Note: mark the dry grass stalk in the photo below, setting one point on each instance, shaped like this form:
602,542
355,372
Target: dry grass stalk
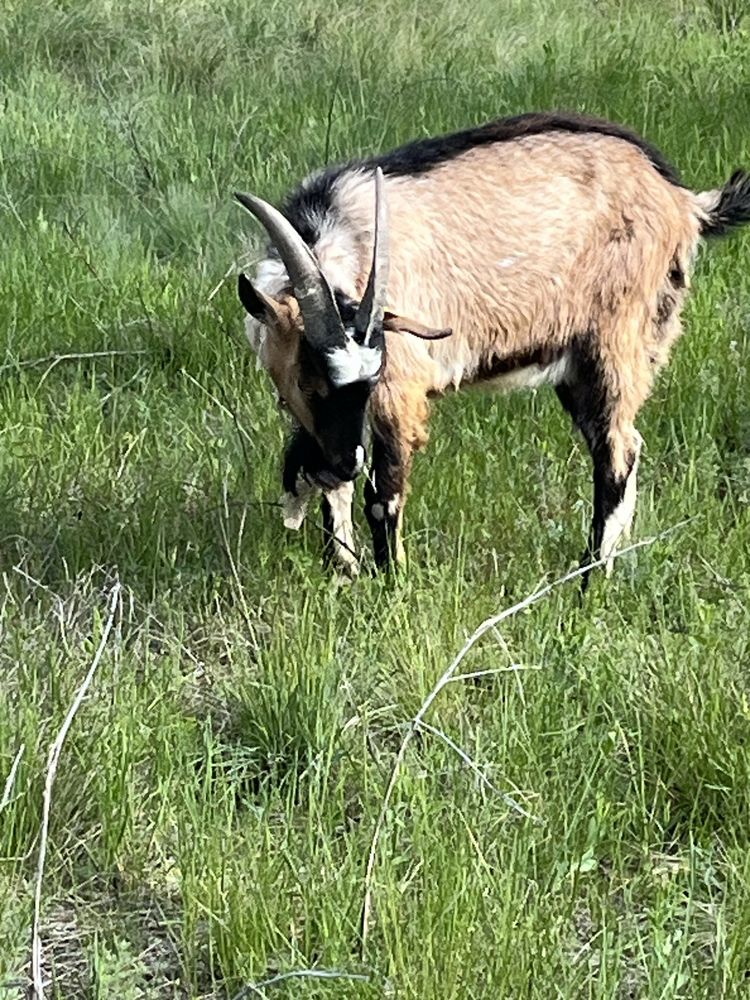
417,722
53,759
11,779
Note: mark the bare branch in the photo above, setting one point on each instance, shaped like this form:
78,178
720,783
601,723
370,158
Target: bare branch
486,626
55,359
11,779
509,800
87,263
258,988
53,759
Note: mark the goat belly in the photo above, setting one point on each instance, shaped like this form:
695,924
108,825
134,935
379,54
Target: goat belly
529,370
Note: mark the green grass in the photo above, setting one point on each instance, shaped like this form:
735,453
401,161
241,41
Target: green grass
217,795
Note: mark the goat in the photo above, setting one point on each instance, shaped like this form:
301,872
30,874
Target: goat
540,249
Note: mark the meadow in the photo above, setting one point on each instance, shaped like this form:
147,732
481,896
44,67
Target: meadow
216,797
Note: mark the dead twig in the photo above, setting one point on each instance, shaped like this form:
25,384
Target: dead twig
11,779
53,759
55,359
126,119
217,288
87,263
257,988
331,106
508,799
417,721
514,668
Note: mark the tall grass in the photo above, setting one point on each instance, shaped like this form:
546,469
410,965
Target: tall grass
216,796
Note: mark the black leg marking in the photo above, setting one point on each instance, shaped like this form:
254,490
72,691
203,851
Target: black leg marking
328,532
609,492
585,397
384,496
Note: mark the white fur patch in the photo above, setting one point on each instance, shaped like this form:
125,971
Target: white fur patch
353,363
708,200
271,276
336,250
340,501
377,511
294,508
620,521
532,376
294,511
393,505
359,457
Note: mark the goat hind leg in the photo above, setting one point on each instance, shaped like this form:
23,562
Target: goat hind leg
615,447
618,517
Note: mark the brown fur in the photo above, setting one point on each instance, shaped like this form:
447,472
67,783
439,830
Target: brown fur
524,249
518,204
584,234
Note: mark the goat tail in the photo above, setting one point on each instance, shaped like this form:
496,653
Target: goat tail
726,207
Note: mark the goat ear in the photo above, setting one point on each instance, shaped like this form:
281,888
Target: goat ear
260,306
401,324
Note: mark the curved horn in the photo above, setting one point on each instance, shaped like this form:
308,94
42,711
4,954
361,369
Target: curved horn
323,326
371,308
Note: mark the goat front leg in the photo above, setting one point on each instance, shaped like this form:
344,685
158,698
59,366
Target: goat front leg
306,475
385,493
300,457
338,530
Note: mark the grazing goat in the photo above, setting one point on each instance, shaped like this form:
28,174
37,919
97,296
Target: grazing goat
542,249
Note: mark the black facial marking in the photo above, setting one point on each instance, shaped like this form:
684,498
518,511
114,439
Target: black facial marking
302,457
339,419
346,306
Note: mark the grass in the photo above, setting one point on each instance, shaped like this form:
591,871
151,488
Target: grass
217,794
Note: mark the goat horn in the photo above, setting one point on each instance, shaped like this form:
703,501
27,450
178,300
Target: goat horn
371,308
323,326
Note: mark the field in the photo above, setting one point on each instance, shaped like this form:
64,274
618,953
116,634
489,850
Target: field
217,795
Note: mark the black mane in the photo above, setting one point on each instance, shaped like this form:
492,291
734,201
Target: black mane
310,203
